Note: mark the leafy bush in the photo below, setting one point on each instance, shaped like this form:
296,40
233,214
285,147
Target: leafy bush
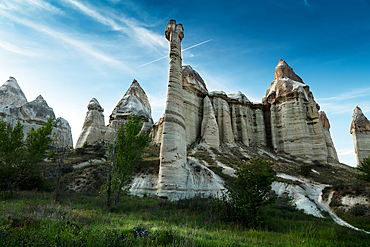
305,170
19,159
364,167
244,200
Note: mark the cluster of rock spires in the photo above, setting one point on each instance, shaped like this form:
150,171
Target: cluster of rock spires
135,101
288,121
14,108
360,130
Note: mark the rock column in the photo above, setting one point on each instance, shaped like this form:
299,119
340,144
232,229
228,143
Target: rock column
172,174
360,130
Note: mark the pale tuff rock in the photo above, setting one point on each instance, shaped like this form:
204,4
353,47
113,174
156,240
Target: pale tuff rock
157,131
191,79
360,130
332,153
11,94
194,90
222,114
283,70
94,128
296,129
209,131
172,171
15,108
198,180
238,97
359,121
135,101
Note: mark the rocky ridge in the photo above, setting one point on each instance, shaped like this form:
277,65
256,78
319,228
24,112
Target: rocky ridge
15,108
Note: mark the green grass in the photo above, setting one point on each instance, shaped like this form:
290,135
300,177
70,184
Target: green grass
32,218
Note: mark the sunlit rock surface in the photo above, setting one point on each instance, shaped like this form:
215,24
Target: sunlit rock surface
94,128
15,108
296,129
11,94
360,130
135,101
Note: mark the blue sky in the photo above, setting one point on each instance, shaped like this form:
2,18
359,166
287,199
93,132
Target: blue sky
72,50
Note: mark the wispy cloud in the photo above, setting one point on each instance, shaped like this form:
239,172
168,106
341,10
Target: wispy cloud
59,36
346,102
306,3
127,26
40,4
346,151
12,48
349,95
44,5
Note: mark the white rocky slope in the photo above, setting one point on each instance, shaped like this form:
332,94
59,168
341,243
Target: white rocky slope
308,197
15,108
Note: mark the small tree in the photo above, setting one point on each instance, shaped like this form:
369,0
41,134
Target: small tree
19,159
244,200
11,153
124,154
364,167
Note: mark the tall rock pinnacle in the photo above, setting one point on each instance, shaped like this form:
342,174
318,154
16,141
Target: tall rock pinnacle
360,130
173,147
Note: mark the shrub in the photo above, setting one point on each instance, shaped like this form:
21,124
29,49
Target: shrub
364,167
305,170
19,159
244,200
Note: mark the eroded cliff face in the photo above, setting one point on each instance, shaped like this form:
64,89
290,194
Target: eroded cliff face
360,130
135,101
15,108
296,129
332,152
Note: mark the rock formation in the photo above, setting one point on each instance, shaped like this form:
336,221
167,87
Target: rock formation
172,174
296,129
94,128
360,130
135,101
209,131
11,94
287,121
15,108
332,153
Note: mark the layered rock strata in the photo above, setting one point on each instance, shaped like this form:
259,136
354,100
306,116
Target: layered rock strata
94,128
134,101
15,108
332,153
172,174
360,130
296,129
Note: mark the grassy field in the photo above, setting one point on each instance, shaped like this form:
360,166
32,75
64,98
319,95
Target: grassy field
33,219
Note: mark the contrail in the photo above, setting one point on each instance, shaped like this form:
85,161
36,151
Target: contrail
151,62
196,45
167,56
